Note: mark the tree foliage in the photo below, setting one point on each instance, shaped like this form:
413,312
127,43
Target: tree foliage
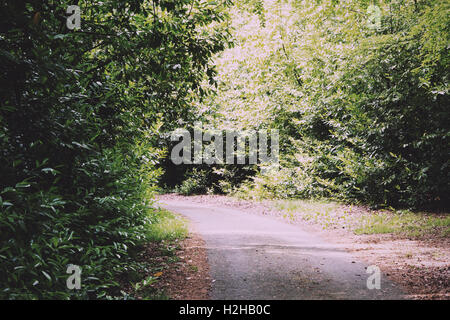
362,110
80,116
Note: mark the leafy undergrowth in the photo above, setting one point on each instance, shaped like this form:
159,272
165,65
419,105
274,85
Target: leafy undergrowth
154,258
332,215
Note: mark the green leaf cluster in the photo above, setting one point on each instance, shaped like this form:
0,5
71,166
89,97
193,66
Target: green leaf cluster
80,117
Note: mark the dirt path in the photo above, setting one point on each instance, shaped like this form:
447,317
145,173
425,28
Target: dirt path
256,257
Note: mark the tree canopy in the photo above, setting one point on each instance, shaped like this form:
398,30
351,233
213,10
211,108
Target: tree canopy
362,109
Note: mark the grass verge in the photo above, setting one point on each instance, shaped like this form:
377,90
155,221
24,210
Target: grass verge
168,226
404,222
360,220
155,257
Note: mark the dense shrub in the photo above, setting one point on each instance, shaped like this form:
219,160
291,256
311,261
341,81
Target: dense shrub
217,179
79,116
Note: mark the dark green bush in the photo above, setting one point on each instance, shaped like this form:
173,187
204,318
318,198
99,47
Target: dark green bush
79,116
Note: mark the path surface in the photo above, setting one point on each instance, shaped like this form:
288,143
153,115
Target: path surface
257,257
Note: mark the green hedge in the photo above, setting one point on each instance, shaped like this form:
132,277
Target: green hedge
80,115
